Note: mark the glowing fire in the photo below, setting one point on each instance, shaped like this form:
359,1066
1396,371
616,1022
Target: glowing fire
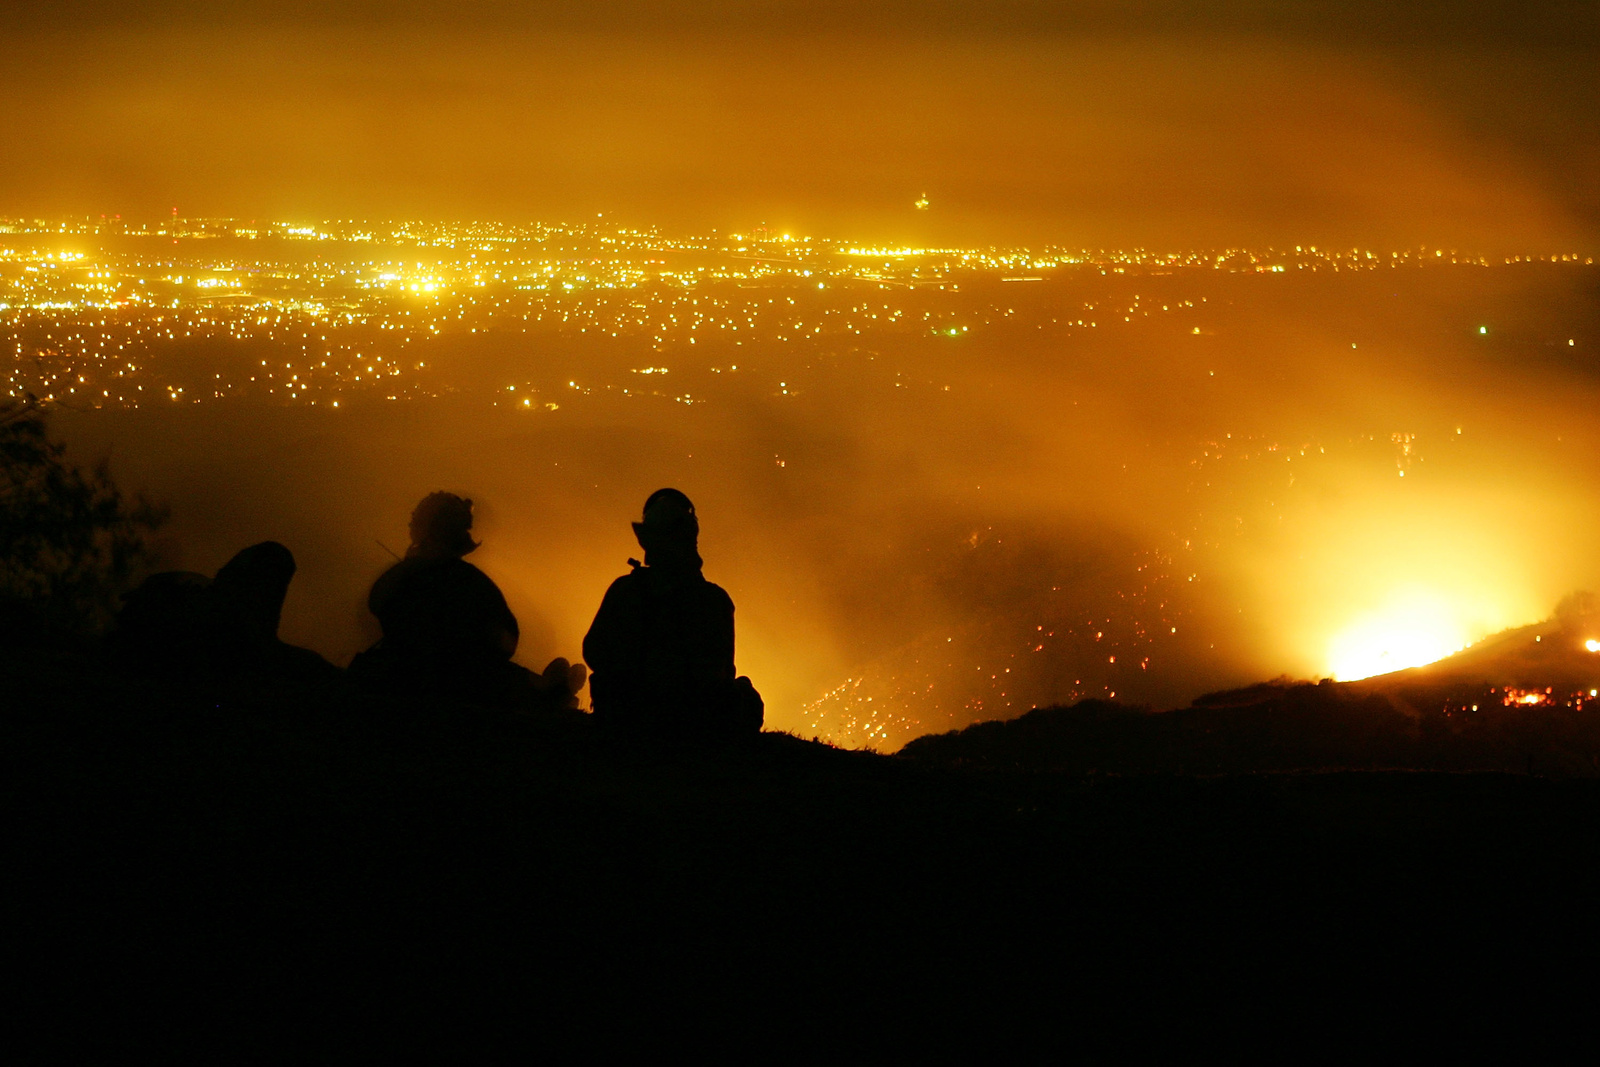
1411,630
1592,645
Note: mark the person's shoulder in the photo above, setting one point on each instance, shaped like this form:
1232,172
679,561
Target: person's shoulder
398,569
388,582
631,584
458,572
407,569
717,594
455,565
451,569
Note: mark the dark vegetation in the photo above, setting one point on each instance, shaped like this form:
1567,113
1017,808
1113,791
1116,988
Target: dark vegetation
69,539
194,864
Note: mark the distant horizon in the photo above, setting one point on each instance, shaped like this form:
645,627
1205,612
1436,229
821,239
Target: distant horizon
751,233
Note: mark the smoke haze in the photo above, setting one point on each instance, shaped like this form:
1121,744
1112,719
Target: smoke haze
1089,124
1230,476
960,528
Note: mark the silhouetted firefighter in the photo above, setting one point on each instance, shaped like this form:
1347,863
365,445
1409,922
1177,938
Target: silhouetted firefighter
661,645
446,628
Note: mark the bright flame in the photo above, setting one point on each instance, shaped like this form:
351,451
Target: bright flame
1411,630
1592,645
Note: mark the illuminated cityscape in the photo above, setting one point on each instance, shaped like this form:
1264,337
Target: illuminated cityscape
108,314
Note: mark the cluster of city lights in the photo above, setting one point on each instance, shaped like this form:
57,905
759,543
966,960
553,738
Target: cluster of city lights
307,314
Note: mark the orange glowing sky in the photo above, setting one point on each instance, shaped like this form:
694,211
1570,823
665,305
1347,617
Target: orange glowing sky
1089,123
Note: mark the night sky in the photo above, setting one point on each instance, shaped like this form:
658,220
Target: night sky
1163,123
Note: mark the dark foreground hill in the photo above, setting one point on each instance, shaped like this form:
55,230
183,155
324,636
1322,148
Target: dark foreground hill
1527,700
1286,728
273,875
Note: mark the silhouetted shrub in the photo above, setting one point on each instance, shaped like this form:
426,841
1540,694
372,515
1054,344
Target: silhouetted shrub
69,539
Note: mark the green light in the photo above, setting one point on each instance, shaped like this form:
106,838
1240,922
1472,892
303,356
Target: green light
1483,329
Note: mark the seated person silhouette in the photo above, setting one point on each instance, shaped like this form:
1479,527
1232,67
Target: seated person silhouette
247,598
163,625
218,629
661,645
246,606
446,628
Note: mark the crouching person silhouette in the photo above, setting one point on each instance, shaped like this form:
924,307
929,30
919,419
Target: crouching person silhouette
246,607
661,645
447,631
223,630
